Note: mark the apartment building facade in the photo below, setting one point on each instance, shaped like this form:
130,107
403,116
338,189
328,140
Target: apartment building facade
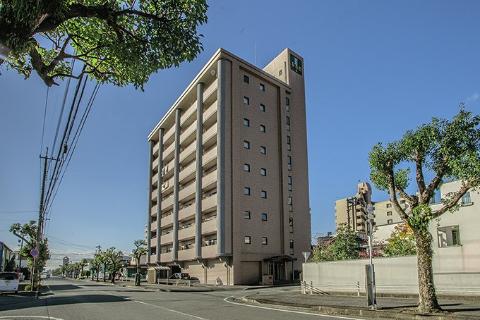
228,182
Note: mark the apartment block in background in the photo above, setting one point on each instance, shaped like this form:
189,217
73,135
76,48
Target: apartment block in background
228,198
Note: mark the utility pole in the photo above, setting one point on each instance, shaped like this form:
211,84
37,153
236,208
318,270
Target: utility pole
41,216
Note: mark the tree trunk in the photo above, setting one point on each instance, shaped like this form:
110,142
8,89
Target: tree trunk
427,297
113,277
104,272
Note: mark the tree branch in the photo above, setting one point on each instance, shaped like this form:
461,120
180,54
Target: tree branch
454,200
392,190
419,176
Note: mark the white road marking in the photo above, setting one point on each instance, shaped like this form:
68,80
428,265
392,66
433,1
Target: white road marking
29,317
289,311
171,310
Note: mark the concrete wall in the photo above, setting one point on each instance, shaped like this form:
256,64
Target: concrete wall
393,275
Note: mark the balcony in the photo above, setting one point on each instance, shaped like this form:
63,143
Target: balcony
187,191
168,153
186,254
167,185
153,226
210,92
209,179
210,114
153,211
188,171
155,164
190,111
209,226
166,257
188,152
168,134
188,135
209,203
153,258
209,156
154,195
155,148
209,251
210,134
186,233
153,242
186,212
167,202
166,238
166,221
154,179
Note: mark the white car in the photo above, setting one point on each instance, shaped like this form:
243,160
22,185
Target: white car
9,281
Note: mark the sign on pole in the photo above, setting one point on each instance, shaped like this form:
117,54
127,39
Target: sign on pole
34,252
306,255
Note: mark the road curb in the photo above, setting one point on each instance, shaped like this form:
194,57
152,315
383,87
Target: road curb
361,312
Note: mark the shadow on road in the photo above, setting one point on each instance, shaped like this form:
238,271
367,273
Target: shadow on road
64,300
58,287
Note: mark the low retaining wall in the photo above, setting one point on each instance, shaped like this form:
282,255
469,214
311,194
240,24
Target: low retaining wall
393,275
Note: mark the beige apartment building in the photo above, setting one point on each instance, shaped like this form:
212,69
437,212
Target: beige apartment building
228,200
349,213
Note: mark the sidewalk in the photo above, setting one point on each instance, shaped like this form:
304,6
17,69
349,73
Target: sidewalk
388,307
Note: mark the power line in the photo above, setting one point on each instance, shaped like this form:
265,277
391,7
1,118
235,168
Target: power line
44,116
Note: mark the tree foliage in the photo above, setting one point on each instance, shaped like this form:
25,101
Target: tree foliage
28,232
401,242
113,258
139,251
345,246
119,41
445,149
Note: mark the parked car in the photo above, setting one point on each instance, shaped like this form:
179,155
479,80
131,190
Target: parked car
180,275
9,282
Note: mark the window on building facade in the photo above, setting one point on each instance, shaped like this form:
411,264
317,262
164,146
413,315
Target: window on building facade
466,200
248,240
280,72
264,241
246,144
448,236
389,205
389,221
246,191
262,107
289,162
287,101
262,128
290,200
246,167
263,171
247,215
246,79
290,224
389,213
291,244
263,150
263,194
296,64
262,87
246,100
246,122
264,216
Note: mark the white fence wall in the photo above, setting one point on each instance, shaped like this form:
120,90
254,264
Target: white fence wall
393,275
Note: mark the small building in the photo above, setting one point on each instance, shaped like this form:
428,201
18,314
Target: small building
6,255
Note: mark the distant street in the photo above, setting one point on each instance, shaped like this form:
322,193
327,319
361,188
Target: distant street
82,300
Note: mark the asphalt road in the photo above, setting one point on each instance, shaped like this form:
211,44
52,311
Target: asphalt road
79,300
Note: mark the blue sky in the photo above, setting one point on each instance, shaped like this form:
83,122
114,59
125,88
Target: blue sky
373,70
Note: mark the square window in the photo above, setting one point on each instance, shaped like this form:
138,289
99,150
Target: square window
263,194
246,79
389,221
246,144
246,191
264,241
246,101
246,167
247,240
389,213
263,150
264,216
247,215
246,122
466,200
389,205
262,128
263,171
448,236
262,107
262,87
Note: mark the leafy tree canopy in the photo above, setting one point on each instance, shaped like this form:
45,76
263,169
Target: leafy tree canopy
345,246
118,41
28,232
449,149
401,242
